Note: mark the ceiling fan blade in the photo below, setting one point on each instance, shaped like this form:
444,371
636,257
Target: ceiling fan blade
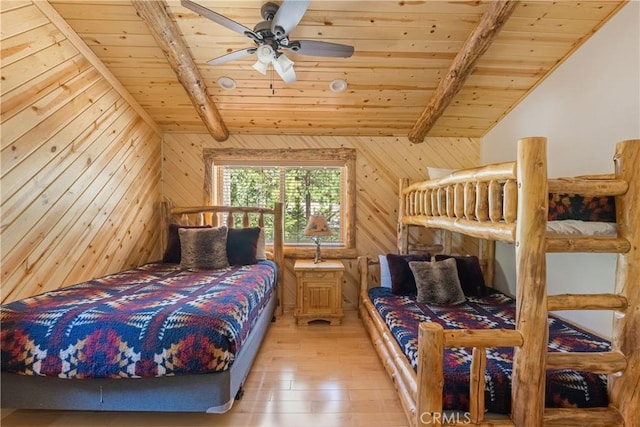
238,54
217,18
318,48
288,16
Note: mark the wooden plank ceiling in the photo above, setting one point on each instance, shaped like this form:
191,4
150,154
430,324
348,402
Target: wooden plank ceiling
402,51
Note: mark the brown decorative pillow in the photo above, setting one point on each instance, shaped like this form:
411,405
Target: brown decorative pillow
402,281
437,282
173,250
204,248
469,274
242,245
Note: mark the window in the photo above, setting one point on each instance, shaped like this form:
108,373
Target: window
308,182
304,190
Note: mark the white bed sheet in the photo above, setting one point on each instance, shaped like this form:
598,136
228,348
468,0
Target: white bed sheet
572,227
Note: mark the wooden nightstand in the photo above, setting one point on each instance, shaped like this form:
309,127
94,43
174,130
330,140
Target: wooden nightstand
318,291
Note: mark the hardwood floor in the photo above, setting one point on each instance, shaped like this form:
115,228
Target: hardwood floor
304,376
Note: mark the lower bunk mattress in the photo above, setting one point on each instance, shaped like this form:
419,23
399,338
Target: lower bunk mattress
154,320
564,388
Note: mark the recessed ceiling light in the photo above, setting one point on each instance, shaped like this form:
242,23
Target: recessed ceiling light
226,83
338,85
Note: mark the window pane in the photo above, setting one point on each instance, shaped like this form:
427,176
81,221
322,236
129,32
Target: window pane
251,186
304,191
311,191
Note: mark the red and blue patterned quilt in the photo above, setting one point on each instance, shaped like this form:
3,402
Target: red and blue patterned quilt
564,388
149,321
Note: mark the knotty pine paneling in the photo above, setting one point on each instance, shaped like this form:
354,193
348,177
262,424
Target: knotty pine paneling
402,50
381,162
80,169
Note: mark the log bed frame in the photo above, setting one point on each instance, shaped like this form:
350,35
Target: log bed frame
509,202
212,393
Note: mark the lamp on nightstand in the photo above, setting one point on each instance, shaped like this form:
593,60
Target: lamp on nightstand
316,228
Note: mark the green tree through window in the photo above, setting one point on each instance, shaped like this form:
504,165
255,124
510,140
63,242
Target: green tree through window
308,181
304,190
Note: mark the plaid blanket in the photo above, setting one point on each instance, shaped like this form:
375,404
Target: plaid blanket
149,321
564,388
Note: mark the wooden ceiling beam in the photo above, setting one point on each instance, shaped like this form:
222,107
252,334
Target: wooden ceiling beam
463,64
168,37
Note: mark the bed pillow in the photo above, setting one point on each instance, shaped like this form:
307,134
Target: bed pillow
402,281
437,282
385,274
204,248
469,273
172,251
261,249
242,245
436,173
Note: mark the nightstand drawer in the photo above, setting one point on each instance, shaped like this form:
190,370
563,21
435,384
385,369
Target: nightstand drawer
324,275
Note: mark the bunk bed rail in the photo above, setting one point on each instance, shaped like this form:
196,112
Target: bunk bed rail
482,202
433,339
479,202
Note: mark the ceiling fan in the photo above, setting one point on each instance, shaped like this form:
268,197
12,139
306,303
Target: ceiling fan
271,36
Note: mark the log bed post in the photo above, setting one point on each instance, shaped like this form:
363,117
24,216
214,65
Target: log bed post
278,252
487,255
430,374
529,369
624,390
403,229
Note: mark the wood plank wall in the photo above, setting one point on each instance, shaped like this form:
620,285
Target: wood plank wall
381,162
80,168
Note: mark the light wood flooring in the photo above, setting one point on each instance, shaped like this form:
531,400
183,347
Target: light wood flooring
304,376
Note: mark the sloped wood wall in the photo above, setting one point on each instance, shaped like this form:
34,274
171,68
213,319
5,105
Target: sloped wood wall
381,162
80,176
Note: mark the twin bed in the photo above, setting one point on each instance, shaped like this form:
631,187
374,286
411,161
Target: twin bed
170,336
489,359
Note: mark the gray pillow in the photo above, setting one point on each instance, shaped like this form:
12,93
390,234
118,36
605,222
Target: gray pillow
437,282
203,248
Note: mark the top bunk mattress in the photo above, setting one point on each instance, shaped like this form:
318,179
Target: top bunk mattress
576,215
154,320
565,388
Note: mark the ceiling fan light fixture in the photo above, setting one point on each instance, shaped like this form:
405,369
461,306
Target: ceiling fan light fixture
286,72
265,54
226,83
261,67
284,63
338,85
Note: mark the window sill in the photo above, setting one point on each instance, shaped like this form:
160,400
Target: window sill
328,252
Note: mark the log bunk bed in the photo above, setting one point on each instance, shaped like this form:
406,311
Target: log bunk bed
184,307
509,202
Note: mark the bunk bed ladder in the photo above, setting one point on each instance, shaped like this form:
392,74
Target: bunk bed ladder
624,302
